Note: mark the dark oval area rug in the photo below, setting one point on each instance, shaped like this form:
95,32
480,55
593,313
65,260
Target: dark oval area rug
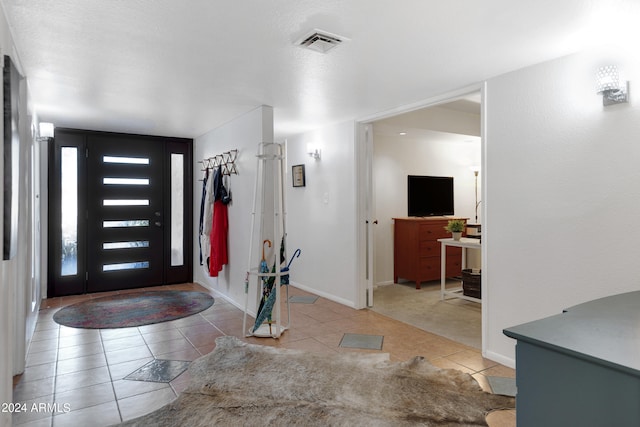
133,309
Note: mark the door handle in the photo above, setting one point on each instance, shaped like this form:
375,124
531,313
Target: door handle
158,224
157,213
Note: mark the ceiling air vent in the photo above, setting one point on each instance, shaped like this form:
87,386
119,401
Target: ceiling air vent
320,41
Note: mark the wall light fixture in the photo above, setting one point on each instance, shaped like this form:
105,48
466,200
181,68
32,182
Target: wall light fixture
313,151
609,86
46,130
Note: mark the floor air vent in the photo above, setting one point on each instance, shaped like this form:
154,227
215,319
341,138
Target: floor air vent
320,41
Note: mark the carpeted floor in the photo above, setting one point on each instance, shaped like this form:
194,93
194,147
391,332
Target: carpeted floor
456,319
133,309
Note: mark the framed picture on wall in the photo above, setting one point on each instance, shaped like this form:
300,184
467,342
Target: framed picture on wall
297,172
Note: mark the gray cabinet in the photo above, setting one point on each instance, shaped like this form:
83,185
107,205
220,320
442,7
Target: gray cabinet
581,367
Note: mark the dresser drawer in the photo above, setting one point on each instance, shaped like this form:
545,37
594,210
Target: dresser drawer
454,265
430,268
429,248
453,252
430,231
434,248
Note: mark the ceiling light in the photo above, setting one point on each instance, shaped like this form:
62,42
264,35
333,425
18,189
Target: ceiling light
402,133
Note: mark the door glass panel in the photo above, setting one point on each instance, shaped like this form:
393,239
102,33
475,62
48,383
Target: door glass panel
125,181
126,223
177,208
126,160
125,266
69,207
126,245
125,202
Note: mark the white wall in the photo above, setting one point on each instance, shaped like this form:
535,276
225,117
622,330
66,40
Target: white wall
562,191
19,284
244,133
321,216
395,157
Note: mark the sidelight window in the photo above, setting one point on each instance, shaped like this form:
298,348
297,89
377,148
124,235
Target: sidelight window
177,209
69,208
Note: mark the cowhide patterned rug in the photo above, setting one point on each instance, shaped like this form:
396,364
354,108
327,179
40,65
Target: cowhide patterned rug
241,384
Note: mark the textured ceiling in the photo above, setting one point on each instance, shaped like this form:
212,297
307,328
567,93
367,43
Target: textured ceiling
169,67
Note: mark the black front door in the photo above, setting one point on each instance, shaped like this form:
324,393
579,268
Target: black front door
116,202
125,213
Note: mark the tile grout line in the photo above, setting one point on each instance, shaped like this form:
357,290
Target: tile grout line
55,376
113,389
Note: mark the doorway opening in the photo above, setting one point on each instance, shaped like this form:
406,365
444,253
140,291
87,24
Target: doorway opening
442,139
119,212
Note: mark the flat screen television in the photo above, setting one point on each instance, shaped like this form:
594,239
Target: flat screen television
429,195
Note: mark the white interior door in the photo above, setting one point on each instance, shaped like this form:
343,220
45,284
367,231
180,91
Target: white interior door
367,206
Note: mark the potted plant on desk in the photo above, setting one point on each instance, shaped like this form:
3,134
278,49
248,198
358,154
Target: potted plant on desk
455,227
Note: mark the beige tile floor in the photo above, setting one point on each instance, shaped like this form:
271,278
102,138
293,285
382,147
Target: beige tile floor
79,372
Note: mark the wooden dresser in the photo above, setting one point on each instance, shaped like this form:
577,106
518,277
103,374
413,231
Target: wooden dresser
416,250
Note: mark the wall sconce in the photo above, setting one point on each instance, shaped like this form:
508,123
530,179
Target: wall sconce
609,86
46,130
313,151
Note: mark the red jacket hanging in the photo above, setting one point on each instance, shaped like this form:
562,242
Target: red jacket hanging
219,227
218,238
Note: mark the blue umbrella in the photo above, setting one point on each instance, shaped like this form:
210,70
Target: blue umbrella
284,279
266,305
264,268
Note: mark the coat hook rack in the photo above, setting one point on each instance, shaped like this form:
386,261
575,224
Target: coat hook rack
226,161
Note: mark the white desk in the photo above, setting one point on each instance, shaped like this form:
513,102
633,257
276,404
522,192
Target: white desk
466,243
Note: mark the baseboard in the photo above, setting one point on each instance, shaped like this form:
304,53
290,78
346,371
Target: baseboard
506,361
294,284
324,295
225,297
385,283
